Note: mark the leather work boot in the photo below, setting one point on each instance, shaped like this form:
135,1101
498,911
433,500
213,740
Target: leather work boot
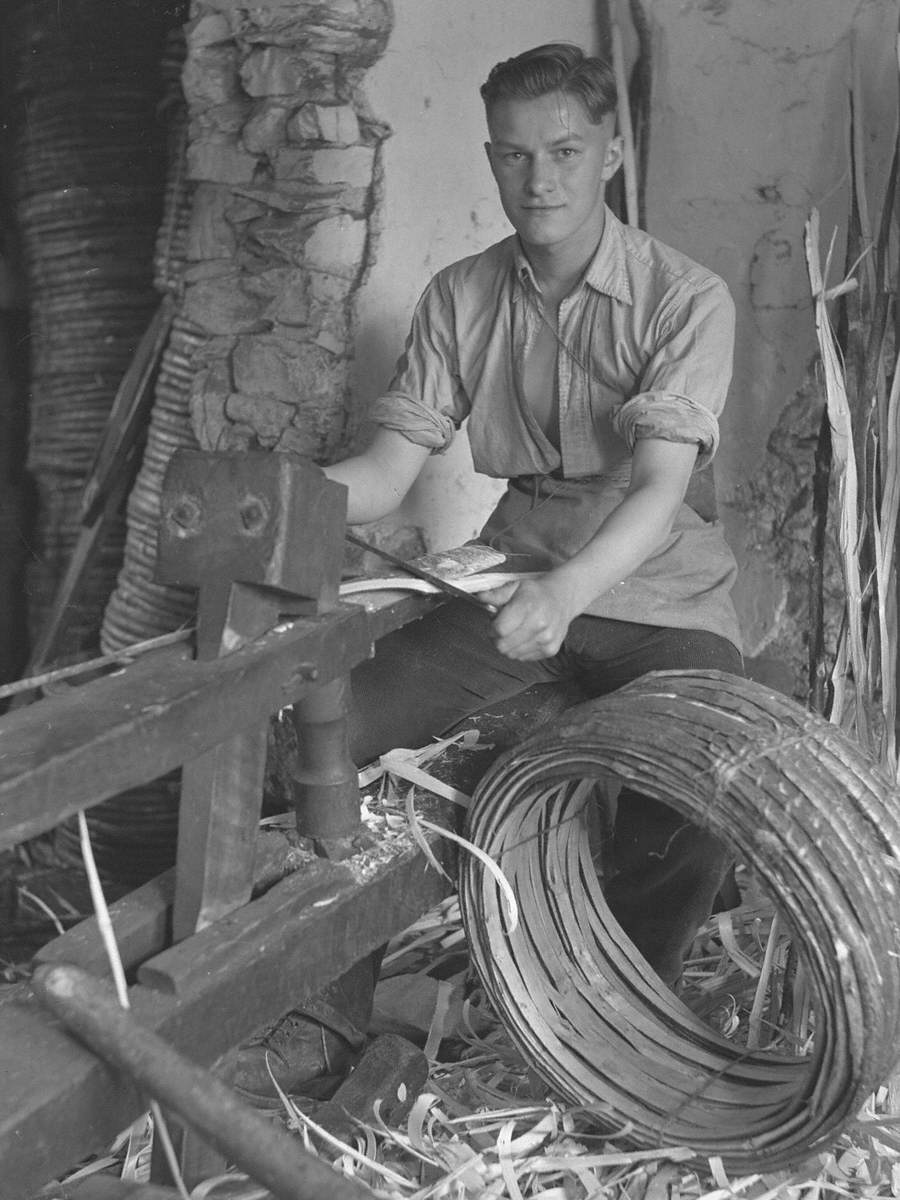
311,1048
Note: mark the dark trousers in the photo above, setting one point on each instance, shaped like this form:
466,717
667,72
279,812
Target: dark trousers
664,872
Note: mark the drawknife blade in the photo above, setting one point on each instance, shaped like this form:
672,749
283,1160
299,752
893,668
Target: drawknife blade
411,569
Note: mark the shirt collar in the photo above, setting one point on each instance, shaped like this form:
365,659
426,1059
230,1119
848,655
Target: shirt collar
606,271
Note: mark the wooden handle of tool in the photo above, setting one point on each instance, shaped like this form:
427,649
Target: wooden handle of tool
88,1008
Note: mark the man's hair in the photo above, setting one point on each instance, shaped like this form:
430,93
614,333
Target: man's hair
556,67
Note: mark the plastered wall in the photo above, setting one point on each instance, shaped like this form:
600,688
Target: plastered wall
748,131
439,200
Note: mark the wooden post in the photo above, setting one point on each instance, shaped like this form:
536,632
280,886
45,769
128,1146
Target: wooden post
326,790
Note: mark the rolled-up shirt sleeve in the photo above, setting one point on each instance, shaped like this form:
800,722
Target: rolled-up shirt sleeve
685,383
426,401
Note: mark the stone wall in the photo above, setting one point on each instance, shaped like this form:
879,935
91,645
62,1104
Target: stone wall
285,155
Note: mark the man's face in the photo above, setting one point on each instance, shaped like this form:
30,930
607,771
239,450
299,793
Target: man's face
550,163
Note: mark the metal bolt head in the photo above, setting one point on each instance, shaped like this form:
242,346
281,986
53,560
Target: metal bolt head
254,515
185,516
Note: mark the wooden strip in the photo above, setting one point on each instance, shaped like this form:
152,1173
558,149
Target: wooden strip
142,922
127,415
121,658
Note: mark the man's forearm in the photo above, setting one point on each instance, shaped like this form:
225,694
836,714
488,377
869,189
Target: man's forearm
378,479
635,529
625,540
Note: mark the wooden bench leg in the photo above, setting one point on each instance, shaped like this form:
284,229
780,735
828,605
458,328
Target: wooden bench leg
221,802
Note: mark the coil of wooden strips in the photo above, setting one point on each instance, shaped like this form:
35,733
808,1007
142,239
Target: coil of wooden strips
802,806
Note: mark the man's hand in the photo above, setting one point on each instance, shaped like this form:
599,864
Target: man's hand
534,617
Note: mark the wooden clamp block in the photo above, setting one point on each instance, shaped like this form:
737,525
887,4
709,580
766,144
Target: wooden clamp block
271,521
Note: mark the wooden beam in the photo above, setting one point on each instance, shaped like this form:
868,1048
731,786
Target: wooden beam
142,920
70,751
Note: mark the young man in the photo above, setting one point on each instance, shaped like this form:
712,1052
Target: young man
590,363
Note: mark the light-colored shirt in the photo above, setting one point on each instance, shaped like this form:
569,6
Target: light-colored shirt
645,350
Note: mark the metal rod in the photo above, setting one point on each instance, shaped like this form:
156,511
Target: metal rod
119,659
89,1008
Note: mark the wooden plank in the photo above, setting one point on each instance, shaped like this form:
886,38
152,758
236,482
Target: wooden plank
59,1103
142,920
73,750
231,946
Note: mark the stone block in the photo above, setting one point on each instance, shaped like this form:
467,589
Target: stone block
210,76
283,293
228,118
333,330
330,342
304,442
352,29
220,306
284,237
337,246
214,268
220,160
276,71
294,372
336,124
291,164
210,234
208,30
352,165
291,308
268,418
242,209
291,196
330,291
264,131
209,392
